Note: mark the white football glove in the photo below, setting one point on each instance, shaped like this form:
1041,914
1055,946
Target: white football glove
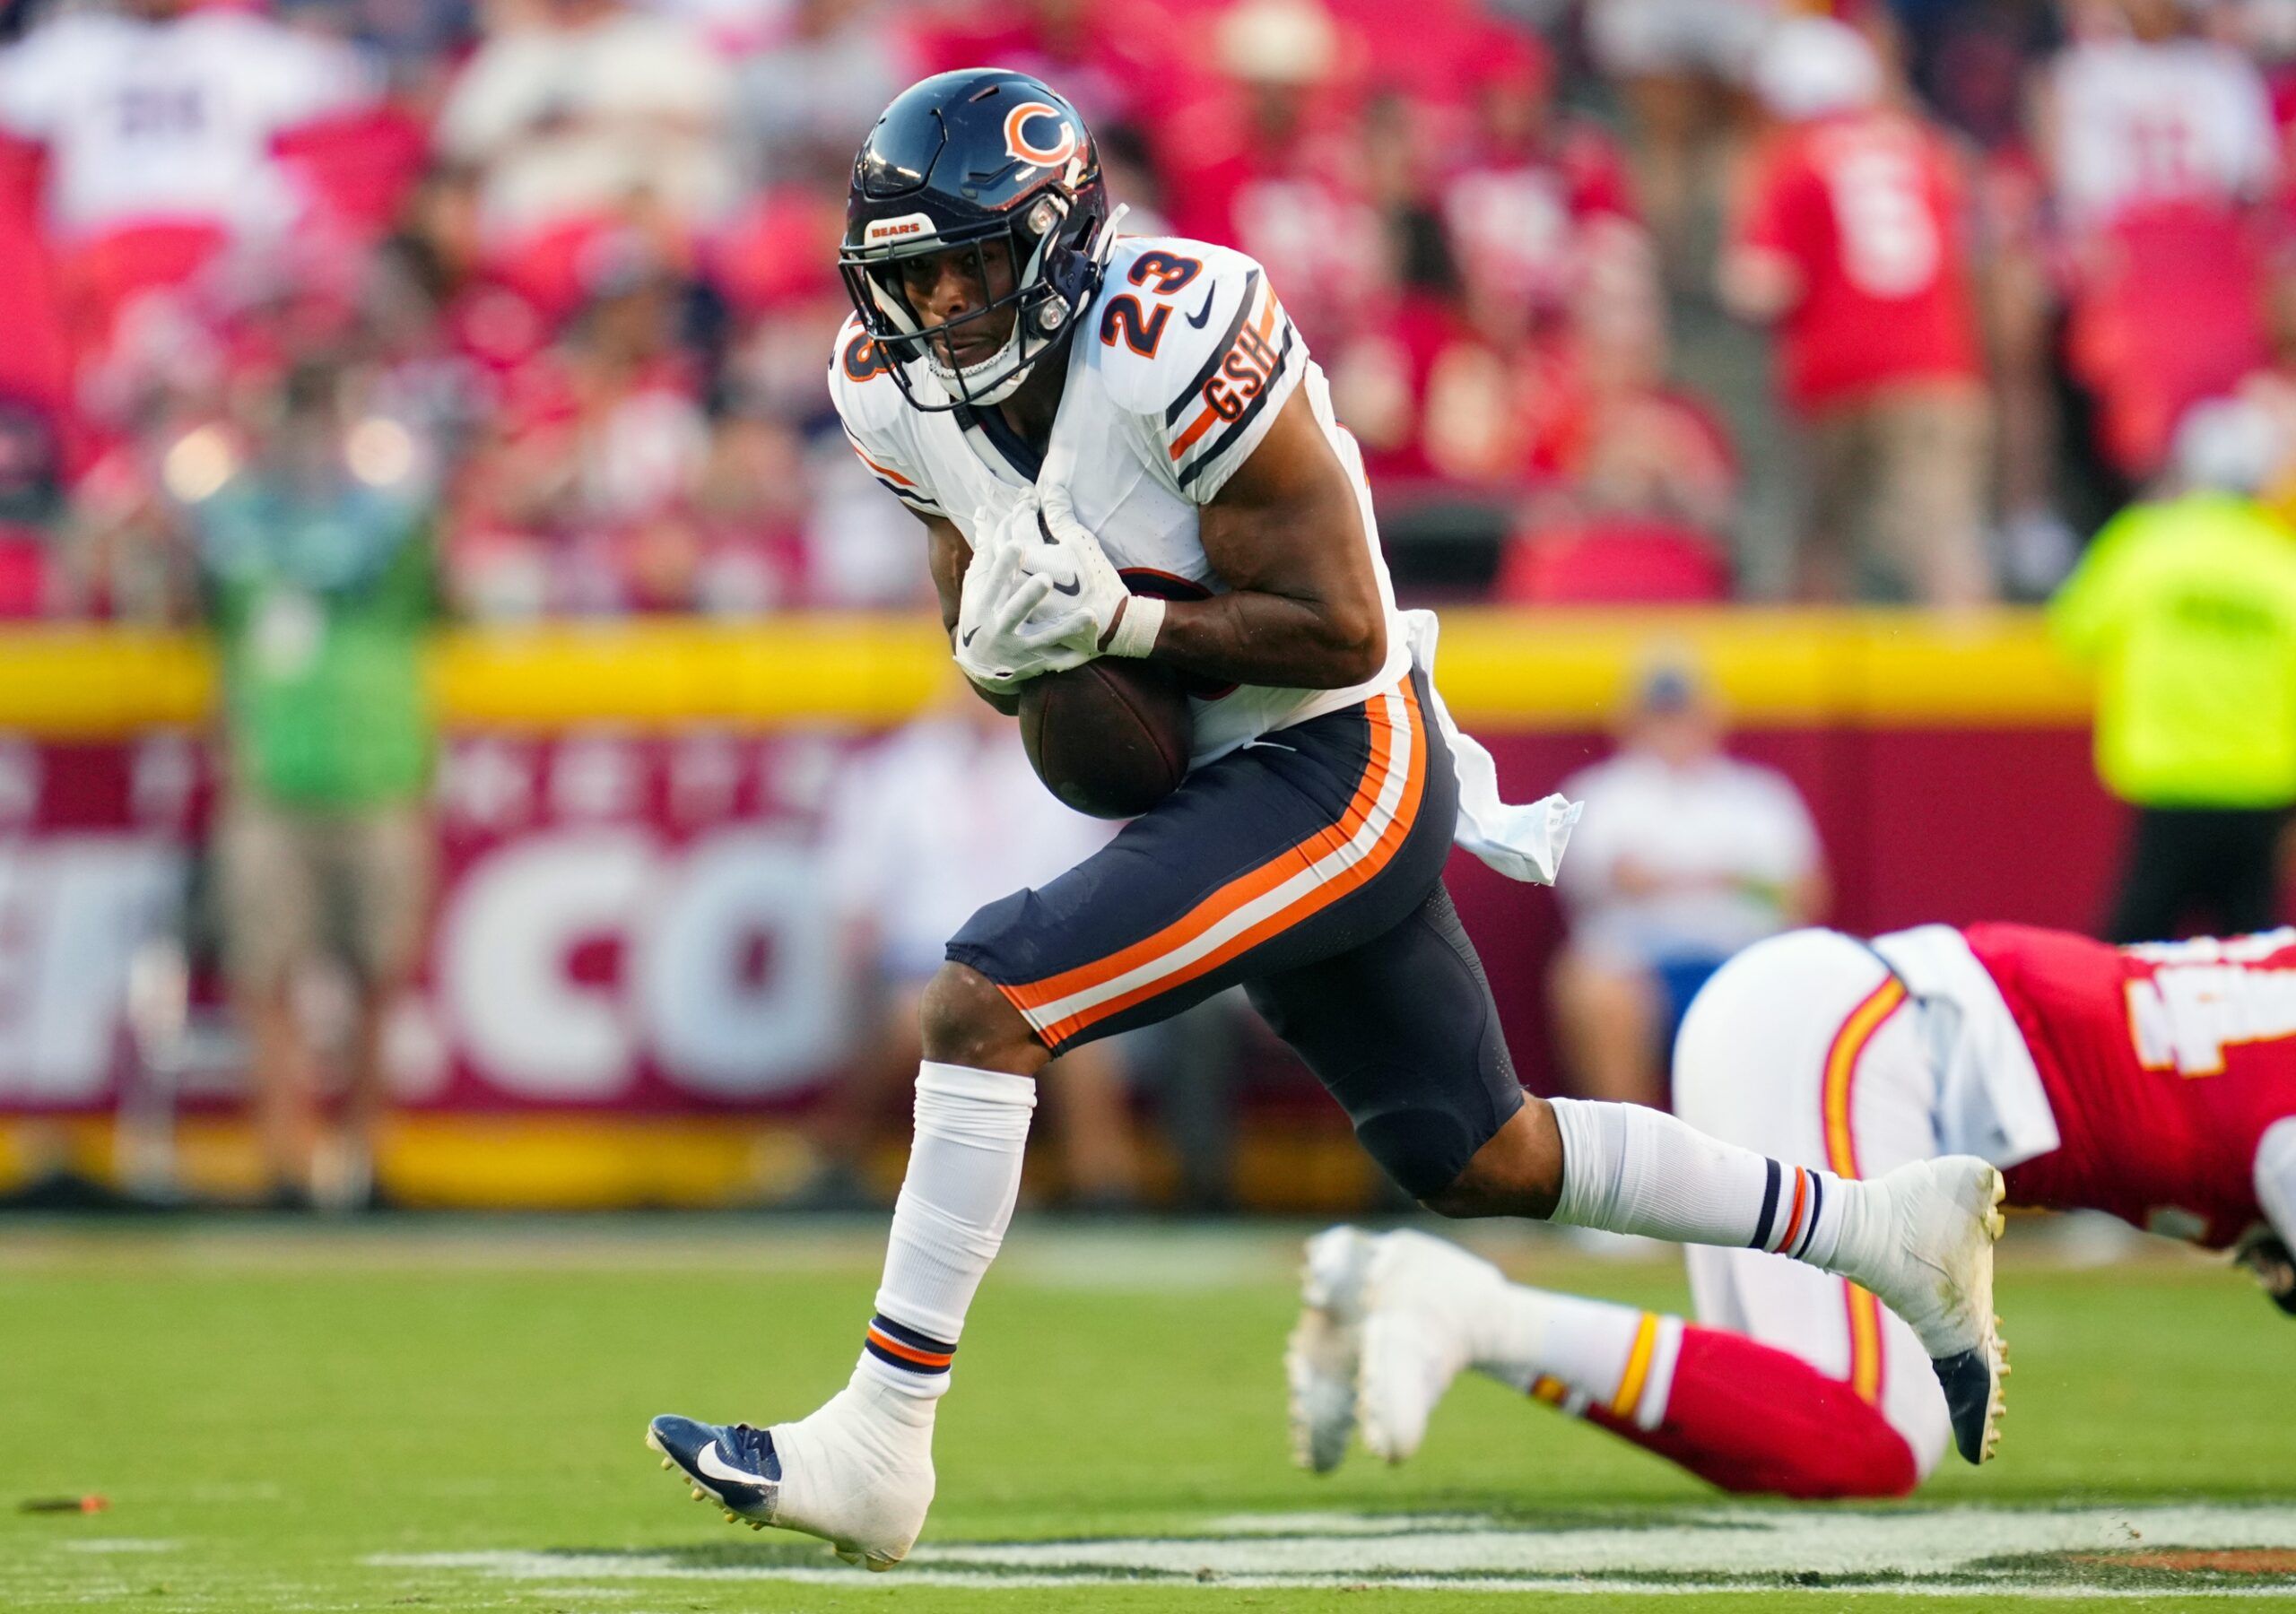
998,645
1087,593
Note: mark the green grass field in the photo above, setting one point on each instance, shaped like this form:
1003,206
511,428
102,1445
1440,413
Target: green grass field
449,1415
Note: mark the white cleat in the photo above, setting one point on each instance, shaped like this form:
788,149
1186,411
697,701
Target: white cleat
1935,1269
1420,1303
858,1473
1319,1359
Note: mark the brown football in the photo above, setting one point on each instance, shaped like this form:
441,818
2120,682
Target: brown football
1110,738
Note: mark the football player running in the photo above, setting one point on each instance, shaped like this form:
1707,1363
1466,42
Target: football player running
1119,446
2157,1083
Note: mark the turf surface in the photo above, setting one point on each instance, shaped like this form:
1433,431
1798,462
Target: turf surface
281,1418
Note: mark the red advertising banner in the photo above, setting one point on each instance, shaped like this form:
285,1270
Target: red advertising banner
637,922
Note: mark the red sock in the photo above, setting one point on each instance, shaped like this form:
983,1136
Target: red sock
1754,1419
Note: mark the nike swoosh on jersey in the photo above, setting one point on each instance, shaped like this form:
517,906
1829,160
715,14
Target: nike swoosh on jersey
967,640
1204,314
718,1468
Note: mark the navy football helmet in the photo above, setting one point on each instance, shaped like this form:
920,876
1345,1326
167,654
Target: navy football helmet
992,159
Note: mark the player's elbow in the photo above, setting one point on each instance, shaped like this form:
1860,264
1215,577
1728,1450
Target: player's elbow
1356,643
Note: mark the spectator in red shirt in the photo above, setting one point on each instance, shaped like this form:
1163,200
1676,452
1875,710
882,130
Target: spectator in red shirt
2160,147
1277,168
161,121
1851,241
1535,186
583,501
1118,61
584,117
1636,480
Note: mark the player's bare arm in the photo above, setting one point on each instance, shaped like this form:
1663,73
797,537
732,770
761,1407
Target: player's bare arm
1286,535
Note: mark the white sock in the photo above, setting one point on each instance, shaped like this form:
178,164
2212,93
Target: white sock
1629,1170
964,1175
1576,1353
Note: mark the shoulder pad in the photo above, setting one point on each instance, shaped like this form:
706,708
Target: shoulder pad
860,380
1166,306
1192,337
876,417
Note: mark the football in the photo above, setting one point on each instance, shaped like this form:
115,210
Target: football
1110,738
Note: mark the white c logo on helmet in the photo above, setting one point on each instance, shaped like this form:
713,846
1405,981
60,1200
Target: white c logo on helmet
1017,141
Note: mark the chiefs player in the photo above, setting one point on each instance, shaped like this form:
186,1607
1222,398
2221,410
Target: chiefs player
2157,1083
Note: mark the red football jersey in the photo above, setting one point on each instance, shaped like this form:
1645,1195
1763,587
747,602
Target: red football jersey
1867,207
2164,1065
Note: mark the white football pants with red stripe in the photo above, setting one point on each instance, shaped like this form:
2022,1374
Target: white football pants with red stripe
1806,1048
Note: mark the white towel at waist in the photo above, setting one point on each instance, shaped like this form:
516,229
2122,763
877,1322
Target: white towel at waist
1522,842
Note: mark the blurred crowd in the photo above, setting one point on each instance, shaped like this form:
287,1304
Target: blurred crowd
1625,299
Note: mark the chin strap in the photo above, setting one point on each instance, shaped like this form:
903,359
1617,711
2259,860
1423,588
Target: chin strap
1104,244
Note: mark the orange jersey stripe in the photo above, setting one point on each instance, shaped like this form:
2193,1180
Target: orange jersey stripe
1241,890
1211,417
1312,902
1245,888
1197,428
887,472
1848,1046
1272,926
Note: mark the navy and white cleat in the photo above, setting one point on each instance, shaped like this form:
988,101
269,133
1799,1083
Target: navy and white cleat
858,1473
733,1465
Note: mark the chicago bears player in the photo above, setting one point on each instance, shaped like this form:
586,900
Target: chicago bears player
1120,446
2157,1083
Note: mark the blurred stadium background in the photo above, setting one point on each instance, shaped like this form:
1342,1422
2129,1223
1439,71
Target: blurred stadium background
473,738
575,651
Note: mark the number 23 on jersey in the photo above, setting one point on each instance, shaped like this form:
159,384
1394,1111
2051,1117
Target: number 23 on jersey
1127,320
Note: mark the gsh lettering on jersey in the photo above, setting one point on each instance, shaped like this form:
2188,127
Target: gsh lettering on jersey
1176,371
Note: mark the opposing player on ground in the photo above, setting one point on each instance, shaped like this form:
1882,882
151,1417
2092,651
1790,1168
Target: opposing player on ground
2157,1083
1119,446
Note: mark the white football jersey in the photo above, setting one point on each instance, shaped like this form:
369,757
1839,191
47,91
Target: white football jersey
2135,124
175,119
1175,374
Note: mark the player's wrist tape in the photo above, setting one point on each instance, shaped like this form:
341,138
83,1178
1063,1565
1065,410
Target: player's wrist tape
1137,630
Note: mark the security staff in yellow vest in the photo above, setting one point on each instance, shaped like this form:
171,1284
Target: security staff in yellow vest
2186,606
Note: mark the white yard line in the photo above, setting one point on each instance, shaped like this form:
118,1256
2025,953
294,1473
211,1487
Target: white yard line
1707,1549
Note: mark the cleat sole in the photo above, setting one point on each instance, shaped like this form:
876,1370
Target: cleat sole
1974,1380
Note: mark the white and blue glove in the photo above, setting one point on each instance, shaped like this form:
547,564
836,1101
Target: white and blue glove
1088,596
1003,638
